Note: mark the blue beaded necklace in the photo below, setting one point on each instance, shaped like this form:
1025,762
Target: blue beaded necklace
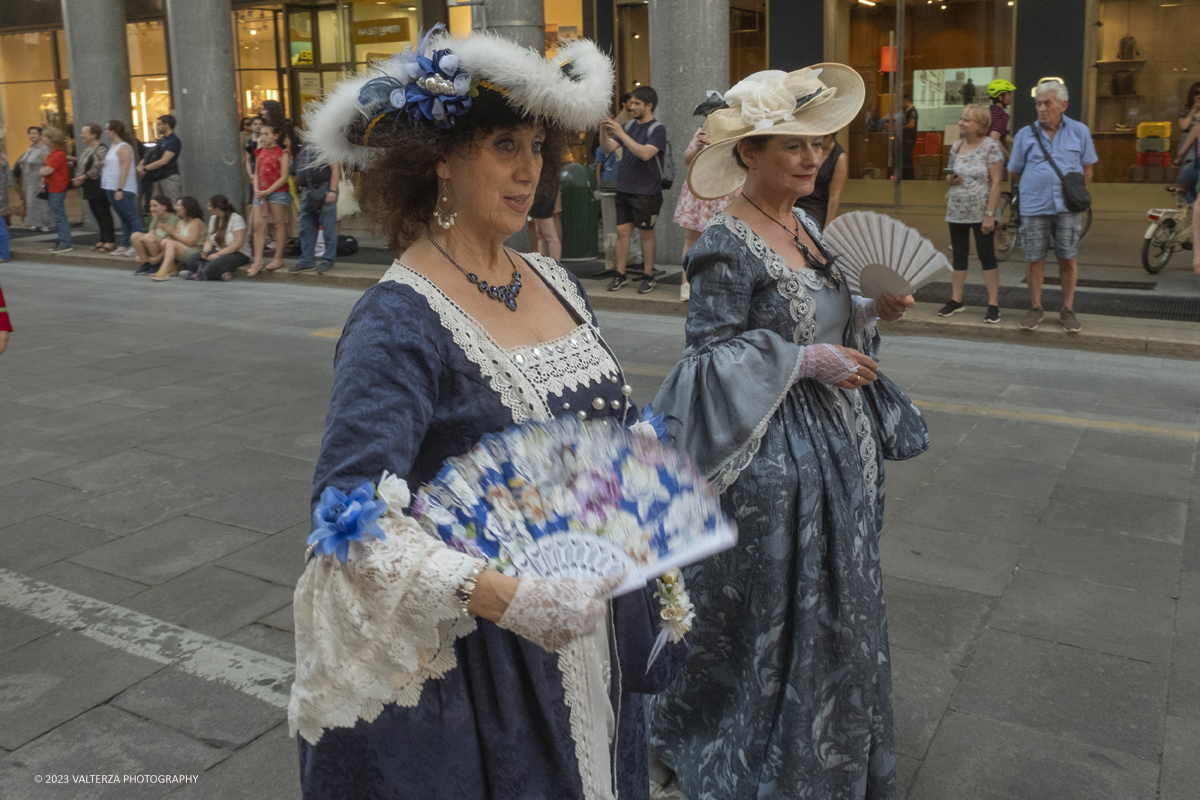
503,294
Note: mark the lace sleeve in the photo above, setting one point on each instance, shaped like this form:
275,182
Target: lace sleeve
373,630
865,317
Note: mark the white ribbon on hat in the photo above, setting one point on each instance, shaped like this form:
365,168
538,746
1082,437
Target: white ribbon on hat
767,100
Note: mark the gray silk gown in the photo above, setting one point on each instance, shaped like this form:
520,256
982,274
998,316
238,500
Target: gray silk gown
788,692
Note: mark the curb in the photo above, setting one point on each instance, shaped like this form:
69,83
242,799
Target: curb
1121,335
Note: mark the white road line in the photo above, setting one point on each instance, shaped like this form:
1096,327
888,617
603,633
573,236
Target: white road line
261,676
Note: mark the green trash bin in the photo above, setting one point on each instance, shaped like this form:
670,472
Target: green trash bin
580,211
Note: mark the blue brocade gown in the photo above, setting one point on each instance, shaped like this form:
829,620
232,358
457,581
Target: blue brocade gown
788,692
416,381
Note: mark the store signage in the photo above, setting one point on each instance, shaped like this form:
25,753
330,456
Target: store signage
393,30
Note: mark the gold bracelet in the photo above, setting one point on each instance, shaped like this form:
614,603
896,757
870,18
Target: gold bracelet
467,587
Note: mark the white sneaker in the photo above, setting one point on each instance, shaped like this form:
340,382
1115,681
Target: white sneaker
124,252
685,292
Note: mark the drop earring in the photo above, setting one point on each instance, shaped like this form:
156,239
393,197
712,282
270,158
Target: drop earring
444,209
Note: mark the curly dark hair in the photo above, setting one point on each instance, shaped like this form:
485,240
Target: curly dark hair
399,190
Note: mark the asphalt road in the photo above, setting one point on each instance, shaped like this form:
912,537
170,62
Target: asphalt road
157,441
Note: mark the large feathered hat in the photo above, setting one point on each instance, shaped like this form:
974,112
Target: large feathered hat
447,78
814,101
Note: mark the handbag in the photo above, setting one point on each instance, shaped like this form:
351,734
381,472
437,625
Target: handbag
43,192
1075,191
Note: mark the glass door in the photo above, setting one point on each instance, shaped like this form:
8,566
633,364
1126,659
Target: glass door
922,61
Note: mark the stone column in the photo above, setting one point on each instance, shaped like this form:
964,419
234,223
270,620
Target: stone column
523,21
95,34
689,54
205,97
98,58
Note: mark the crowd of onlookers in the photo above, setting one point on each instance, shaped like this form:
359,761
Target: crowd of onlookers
139,187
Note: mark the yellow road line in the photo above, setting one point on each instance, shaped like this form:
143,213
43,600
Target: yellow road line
951,408
328,333
1058,419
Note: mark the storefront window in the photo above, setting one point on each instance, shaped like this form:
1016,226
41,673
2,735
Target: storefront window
380,31
633,36
1146,63
258,67
564,20
951,51
28,88
747,38
149,88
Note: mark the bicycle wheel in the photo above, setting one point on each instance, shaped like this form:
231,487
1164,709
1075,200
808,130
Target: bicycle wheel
1087,223
1158,249
1008,222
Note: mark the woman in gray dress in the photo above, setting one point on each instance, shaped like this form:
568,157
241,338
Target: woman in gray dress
779,400
37,212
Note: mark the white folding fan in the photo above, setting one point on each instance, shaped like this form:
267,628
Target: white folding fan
880,254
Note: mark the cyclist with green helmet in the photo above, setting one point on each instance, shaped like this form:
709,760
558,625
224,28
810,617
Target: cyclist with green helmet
1001,92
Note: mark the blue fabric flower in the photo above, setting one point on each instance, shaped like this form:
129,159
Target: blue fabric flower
340,519
656,421
431,85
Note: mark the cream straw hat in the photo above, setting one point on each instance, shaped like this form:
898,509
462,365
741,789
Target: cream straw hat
814,101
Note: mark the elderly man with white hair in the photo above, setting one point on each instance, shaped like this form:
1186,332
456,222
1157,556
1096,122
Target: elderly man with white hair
1046,221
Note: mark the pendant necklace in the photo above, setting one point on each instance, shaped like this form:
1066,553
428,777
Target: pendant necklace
502,294
809,259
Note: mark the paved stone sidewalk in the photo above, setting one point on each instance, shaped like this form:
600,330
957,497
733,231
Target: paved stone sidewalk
1042,562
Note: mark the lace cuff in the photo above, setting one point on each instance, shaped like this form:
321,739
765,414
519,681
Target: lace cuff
372,631
865,316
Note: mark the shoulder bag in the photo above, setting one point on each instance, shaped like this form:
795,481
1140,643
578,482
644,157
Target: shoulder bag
1075,191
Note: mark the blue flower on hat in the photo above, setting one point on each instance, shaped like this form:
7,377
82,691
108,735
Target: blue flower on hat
431,85
340,519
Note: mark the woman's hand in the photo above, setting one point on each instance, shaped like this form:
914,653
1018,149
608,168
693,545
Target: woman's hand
553,612
167,227
891,307
989,224
866,369
119,192
702,141
954,179
259,194
77,181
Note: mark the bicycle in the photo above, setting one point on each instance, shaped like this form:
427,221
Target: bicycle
1170,231
1008,224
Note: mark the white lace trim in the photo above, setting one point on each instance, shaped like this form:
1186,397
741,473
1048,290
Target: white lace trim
729,469
373,630
523,389
592,755
516,392
557,276
577,359
865,317
791,285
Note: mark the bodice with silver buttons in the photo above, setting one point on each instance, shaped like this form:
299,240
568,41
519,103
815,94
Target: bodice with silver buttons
576,374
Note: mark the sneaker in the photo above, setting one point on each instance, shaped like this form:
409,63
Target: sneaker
685,292
324,267
617,282
145,268
952,307
124,252
298,267
1033,317
1069,321
57,249
186,274
993,315
647,285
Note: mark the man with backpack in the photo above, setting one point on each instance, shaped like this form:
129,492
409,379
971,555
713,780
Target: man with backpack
642,173
318,210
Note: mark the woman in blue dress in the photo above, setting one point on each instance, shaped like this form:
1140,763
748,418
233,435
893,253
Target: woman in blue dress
419,672
780,401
